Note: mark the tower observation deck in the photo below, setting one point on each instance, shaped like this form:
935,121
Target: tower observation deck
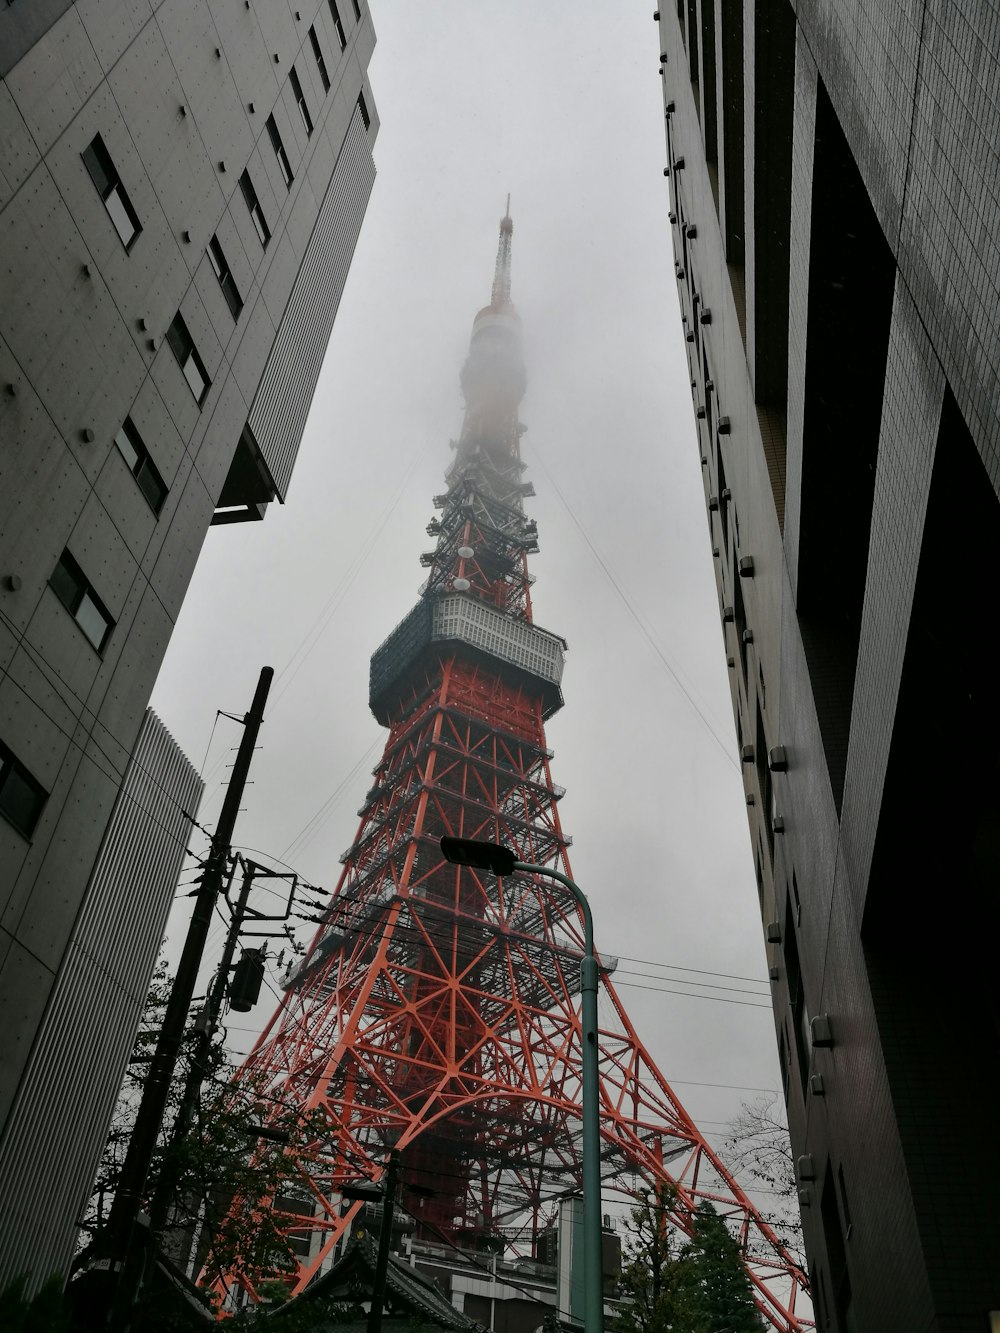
436,1010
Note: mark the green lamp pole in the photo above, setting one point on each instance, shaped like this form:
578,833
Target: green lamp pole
502,861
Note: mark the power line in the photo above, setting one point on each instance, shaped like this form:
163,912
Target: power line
677,967
324,617
348,578
721,999
313,825
709,985
638,619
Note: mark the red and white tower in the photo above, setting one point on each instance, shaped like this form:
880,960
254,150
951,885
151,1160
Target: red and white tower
436,1010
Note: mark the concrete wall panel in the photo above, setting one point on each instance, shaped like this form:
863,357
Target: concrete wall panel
254,346
250,64
24,989
175,563
219,443
100,549
112,25
18,153
55,79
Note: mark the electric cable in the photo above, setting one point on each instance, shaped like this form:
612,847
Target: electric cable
412,934
313,825
636,616
334,601
347,579
649,962
607,953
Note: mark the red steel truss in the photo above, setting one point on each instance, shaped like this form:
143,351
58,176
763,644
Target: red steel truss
436,1010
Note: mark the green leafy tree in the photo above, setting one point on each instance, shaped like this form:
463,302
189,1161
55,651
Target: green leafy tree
673,1284
226,1168
715,1288
652,1270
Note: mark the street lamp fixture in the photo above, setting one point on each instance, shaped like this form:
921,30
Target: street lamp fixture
502,861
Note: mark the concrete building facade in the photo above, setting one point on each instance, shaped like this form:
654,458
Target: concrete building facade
835,220
182,183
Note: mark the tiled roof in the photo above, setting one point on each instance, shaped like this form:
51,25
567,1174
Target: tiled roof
351,1278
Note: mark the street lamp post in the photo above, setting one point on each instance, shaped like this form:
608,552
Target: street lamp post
502,861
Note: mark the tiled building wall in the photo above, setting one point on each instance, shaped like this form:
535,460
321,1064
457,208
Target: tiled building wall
913,89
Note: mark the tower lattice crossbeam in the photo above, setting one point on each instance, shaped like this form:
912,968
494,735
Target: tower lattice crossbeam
436,1010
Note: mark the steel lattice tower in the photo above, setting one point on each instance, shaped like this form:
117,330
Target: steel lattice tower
436,1009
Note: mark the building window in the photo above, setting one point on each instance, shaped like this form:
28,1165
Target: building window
133,450
320,62
97,160
765,782
226,280
335,15
279,151
357,10
183,348
783,1061
21,797
844,1203
363,108
795,898
300,99
797,1000
70,585
256,212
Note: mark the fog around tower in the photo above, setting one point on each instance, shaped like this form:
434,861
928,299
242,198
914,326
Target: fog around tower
558,105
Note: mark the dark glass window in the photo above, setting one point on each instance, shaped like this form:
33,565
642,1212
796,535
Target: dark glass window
844,1202
363,108
357,10
301,101
133,450
97,160
797,1000
256,212
279,151
226,280
335,15
21,797
320,62
70,585
183,348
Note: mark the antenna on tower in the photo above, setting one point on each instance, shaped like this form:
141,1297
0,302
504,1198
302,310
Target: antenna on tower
501,276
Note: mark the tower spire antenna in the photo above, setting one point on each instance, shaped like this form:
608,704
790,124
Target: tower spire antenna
501,275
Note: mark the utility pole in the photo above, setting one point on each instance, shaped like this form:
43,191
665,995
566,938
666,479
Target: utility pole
166,1186
125,1244
384,1242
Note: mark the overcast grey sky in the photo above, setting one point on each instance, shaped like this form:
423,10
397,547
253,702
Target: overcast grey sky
559,104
